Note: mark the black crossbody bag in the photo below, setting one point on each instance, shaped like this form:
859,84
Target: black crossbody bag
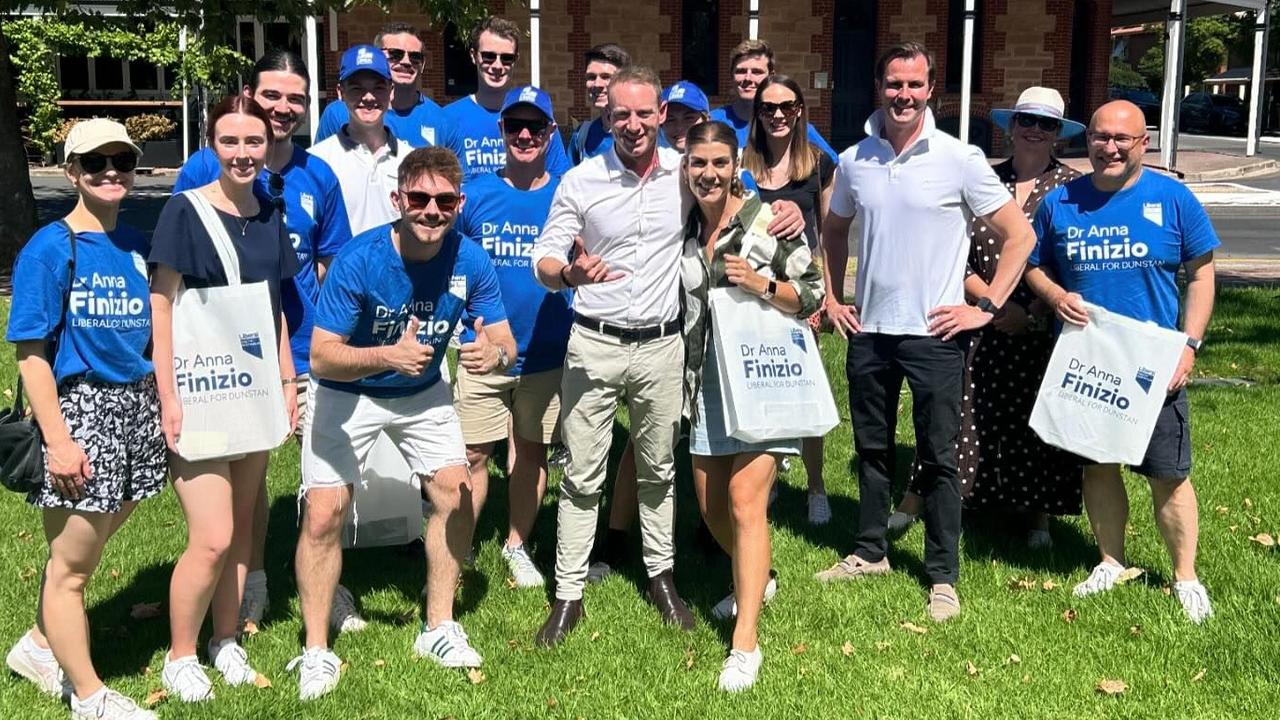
21,452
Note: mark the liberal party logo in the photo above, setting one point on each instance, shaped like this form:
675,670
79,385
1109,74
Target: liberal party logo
1154,212
364,57
677,93
250,343
529,95
1144,379
139,263
308,204
458,286
429,134
797,339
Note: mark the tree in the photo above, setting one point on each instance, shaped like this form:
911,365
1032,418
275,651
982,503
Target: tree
1210,41
1121,75
207,21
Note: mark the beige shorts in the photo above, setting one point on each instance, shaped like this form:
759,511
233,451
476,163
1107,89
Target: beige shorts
486,402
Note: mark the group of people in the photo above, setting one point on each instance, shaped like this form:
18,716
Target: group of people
571,281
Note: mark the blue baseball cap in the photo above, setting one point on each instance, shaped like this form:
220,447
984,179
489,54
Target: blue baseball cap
687,94
363,57
529,95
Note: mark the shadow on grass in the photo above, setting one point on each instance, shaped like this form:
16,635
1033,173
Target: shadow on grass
124,646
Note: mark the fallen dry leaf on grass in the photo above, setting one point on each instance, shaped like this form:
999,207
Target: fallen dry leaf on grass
513,644
1069,615
262,681
552,702
115,573
1111,687
1135,629
1264,539
250,628
688,658
1221,509
970,669
595,636
475,676
912,627
1248,504
799,649
1026,679
1014,659
847,648
145,611
1199,676
24,534
27,574
1130,573
1048,585
883,645
155,697
379,663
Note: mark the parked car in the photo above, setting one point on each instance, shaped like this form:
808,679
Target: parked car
1144,99
1204,112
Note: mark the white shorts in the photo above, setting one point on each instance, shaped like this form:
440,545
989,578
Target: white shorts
343,426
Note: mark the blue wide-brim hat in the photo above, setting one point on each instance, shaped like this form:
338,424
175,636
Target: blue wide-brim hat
1042,101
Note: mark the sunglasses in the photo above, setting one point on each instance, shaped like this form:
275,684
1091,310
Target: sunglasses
788,108
447,202
1046,124
94,163
395,55
513,126
488,56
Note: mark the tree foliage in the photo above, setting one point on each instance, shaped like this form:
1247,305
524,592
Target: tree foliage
1121,75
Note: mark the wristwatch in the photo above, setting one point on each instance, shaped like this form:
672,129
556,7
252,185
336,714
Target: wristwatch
769,290
986,306
1194,344
504,362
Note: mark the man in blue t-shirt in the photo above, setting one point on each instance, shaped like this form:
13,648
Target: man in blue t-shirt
592,137
1117,239
387,310
504,214
495,47
413,118
752,62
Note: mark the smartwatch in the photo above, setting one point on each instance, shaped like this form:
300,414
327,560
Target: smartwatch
1194,344
986,306
769,290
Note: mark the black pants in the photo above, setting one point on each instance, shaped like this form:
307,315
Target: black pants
876,365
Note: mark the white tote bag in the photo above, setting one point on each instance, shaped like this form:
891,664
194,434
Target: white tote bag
1105,385
771,373
387,507
225,359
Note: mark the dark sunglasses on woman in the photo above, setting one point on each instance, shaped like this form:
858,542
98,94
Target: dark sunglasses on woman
446,201
1047,124
123,161
788,108
395,55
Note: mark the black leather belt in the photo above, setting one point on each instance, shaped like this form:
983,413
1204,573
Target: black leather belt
629,335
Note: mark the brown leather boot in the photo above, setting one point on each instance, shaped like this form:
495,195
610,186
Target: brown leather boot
565,616
662,593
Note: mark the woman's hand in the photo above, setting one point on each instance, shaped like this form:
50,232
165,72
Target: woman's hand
171,421
68,467
740,273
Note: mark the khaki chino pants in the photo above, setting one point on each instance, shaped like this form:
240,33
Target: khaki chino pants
600,370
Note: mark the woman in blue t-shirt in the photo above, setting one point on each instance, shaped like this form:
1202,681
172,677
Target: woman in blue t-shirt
217,496
81,319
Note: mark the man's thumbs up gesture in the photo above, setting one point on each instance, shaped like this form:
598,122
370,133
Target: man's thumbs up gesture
408,356
587,269
480,356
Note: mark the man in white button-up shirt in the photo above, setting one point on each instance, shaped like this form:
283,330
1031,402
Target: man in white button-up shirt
614,234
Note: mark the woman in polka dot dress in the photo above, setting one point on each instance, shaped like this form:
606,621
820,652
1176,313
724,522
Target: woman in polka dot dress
1003,464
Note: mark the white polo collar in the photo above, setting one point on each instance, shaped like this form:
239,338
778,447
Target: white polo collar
875,128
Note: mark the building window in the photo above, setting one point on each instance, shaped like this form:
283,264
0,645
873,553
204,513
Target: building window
700,44
73,72
109,73
459,72
143,75
955,46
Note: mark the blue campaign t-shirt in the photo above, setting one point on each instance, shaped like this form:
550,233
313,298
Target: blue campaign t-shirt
742,127
1122,250
506,222
370,292
483,150
591,139
423,125
108,325
315,216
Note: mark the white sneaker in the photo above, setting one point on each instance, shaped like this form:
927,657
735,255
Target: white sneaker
107,704
598,571
740,670
728,607
522,568
343,616
185,679
318,672
256,602
38,665
447,645
819,509
232,661
1194,599
1102,579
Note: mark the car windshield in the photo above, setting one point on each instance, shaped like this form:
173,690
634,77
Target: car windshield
1142,96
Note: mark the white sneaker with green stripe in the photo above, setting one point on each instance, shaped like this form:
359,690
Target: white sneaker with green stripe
447,644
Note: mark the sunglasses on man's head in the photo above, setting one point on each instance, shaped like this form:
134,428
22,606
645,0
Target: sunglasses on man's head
123,161
415,200
513,126
1047,124
788,108
488,56
395,55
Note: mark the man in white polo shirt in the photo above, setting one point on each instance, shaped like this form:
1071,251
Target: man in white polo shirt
618,219
364,154
916,188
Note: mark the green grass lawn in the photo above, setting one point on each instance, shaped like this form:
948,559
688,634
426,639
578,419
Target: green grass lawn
1023,647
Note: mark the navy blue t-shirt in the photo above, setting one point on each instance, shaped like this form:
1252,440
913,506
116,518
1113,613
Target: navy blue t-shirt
108,325
181,242
370,291
506,222
315,216
423,125
1122,250
483,150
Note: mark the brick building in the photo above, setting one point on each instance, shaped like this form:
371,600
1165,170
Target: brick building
830,46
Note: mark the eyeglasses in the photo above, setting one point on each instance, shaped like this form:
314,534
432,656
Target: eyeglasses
94,163
488,57
789,108
513,126
1047,124
447,202
1123,142
395,55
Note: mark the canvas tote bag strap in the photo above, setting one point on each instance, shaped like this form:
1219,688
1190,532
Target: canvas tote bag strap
218,233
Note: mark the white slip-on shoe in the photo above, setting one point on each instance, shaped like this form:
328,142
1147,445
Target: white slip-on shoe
38,665
1101,579
740,670
343,616
447,644
1194,599
232,661
523,571
185,679
728,607
107,704
319,671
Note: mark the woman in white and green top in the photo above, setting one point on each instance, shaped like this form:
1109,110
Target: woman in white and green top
732,478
